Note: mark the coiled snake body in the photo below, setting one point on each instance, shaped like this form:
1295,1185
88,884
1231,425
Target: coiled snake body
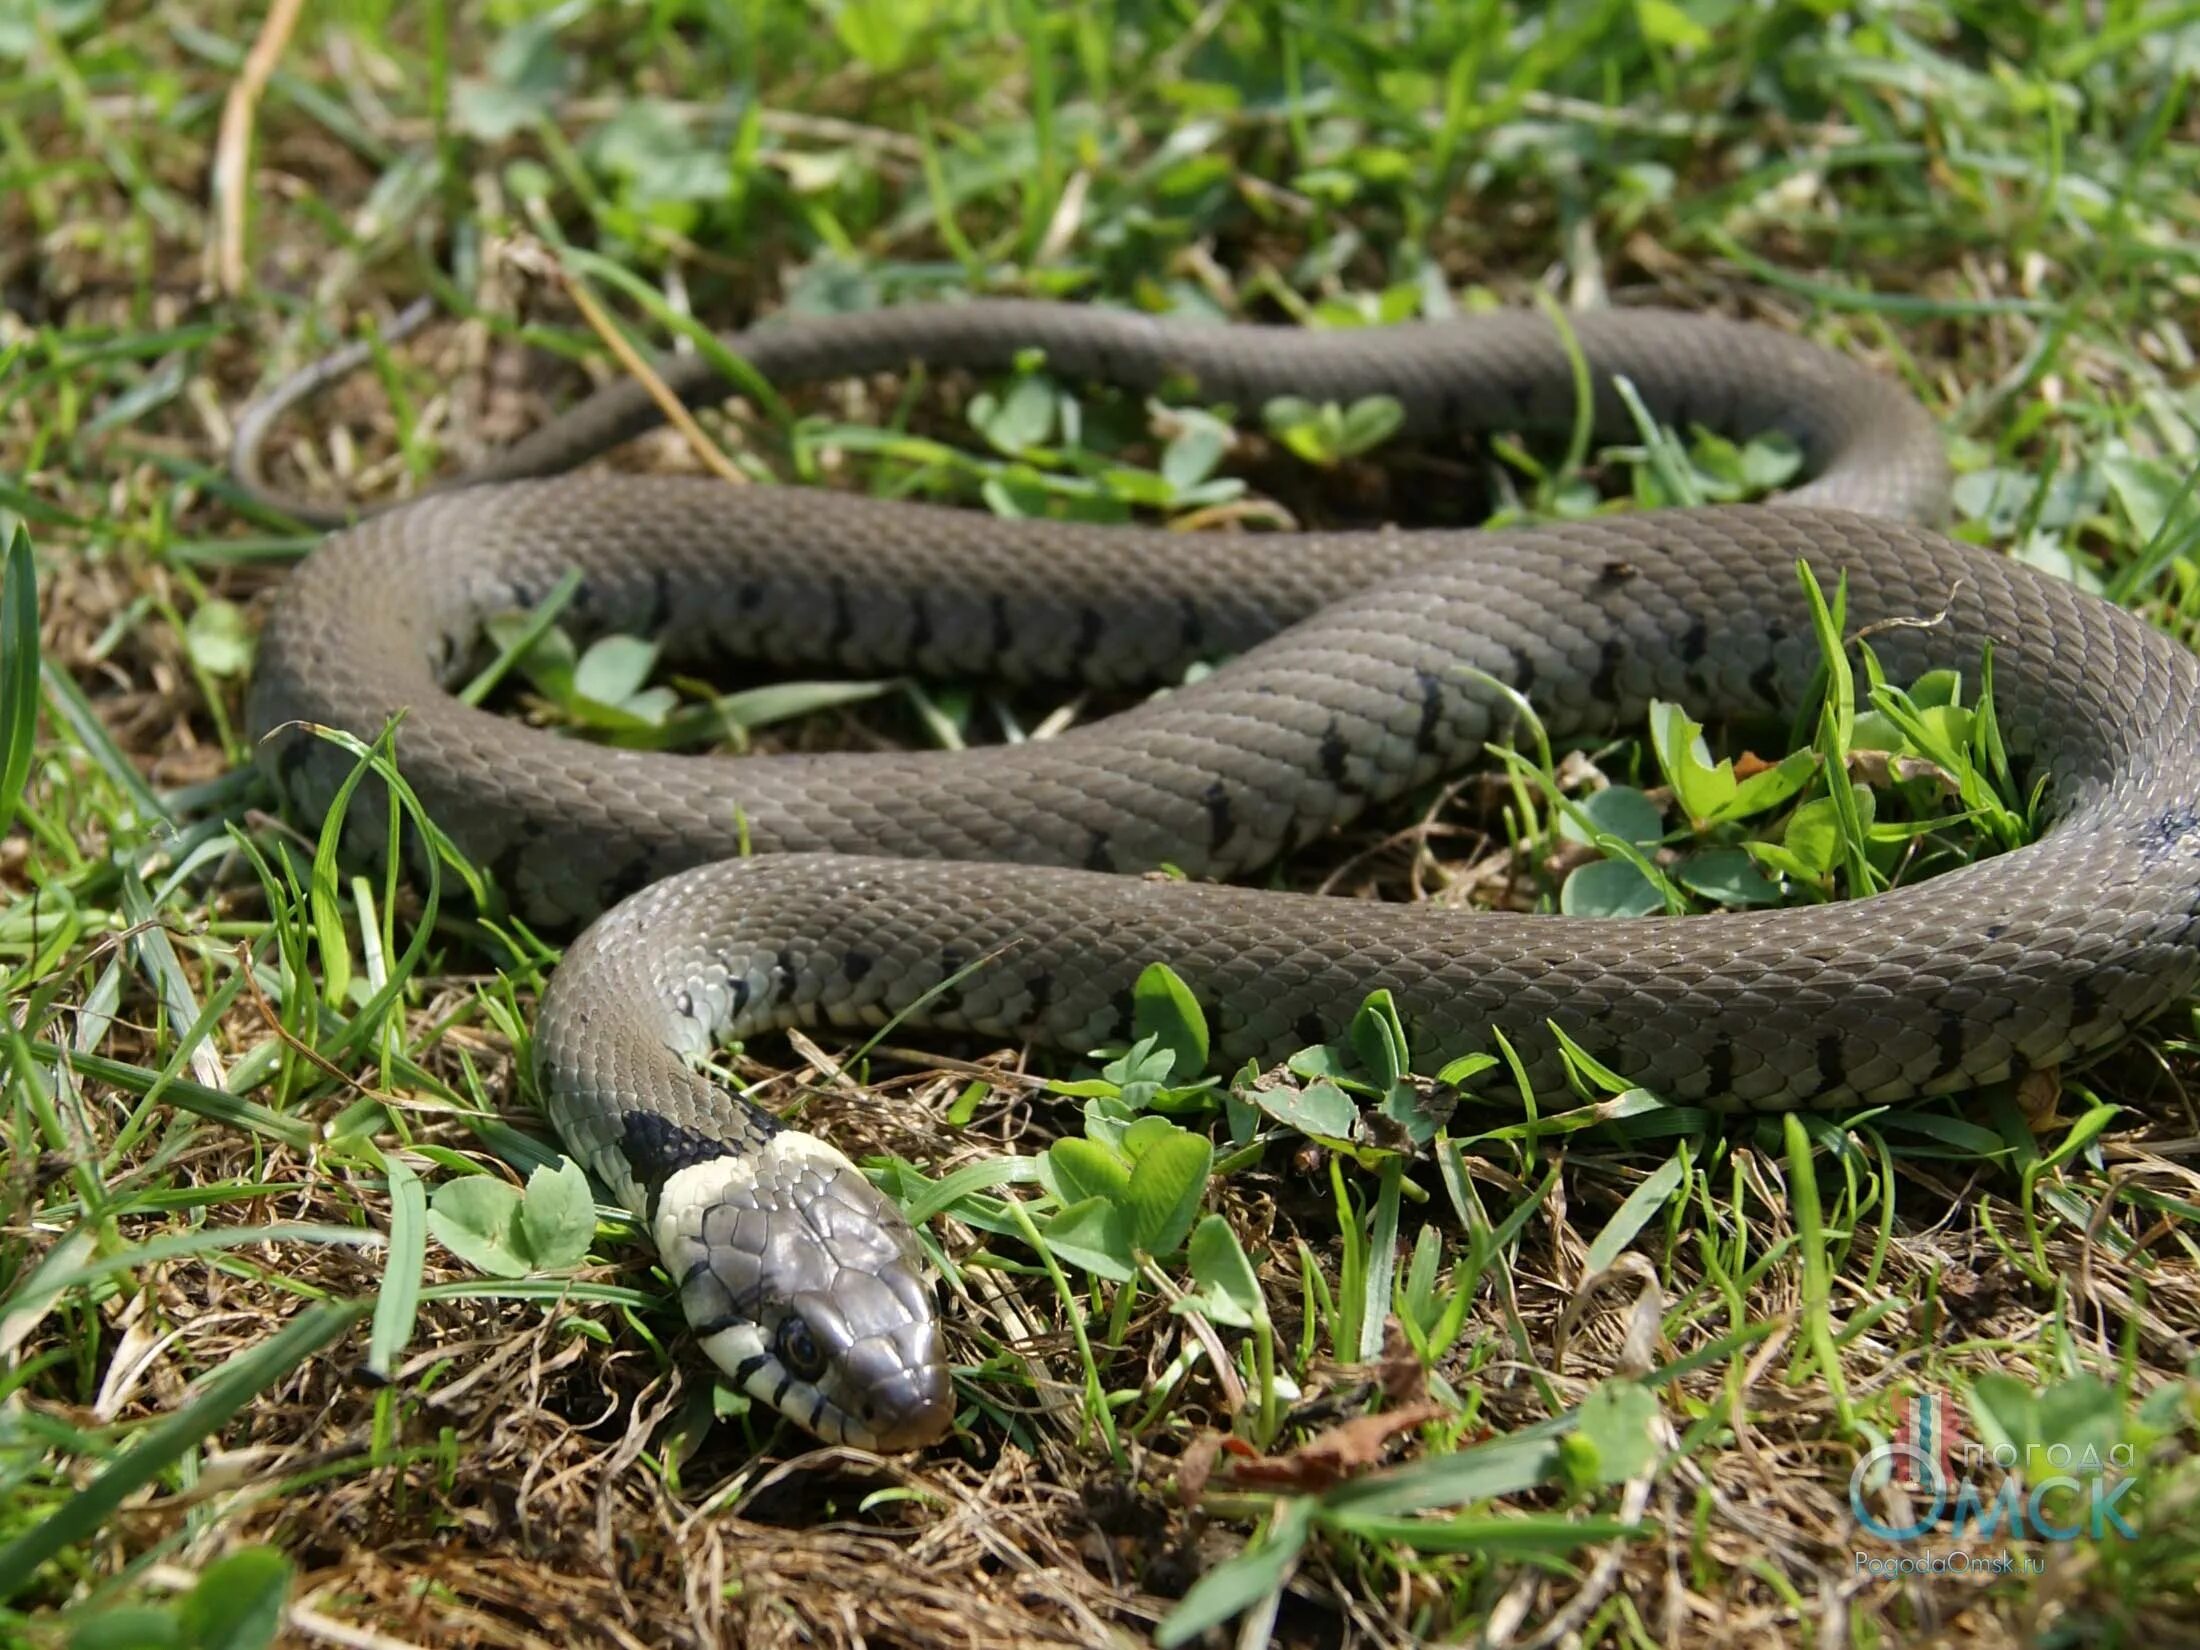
1359,676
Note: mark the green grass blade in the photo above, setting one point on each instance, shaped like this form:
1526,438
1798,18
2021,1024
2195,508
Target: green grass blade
18,673
215,1105
231,1387
398,1303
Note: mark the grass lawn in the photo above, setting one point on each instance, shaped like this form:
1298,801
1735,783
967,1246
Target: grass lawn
261,1376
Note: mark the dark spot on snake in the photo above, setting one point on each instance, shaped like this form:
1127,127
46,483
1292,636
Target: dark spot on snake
713,1326
1695,642
1776,637
525,597
660,600
844,617
1097,855
1126,1013
1832,1067
1432,705
2085,1003
1950,1040
1333,755
750,1365
1718,1069
1311,1028
2162,835
631,878
1765,681
737,985
1221,825
1995,930
504,868
783,974
1089,623
779,1392
1618,572
948,998
1193,626
748,596
996,607
658,1148
855,965
1040,988
683,1004
1605,684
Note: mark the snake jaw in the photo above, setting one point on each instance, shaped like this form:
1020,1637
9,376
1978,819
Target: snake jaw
806,1285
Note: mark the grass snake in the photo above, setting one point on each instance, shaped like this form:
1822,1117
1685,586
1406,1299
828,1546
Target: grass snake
729,897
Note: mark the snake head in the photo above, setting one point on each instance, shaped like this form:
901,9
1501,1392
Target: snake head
806,1285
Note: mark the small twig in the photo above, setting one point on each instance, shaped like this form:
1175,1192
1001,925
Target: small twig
1569,1618
298,1045
233,148
304,1618
960,1068
631,362
834,1074
1233,1389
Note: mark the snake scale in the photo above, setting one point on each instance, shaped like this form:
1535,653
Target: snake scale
987,890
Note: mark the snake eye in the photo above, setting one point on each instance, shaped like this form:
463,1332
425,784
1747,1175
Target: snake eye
798,1350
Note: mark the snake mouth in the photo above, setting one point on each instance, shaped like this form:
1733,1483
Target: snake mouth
884,1385
887,1394
911,1411
876,1377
